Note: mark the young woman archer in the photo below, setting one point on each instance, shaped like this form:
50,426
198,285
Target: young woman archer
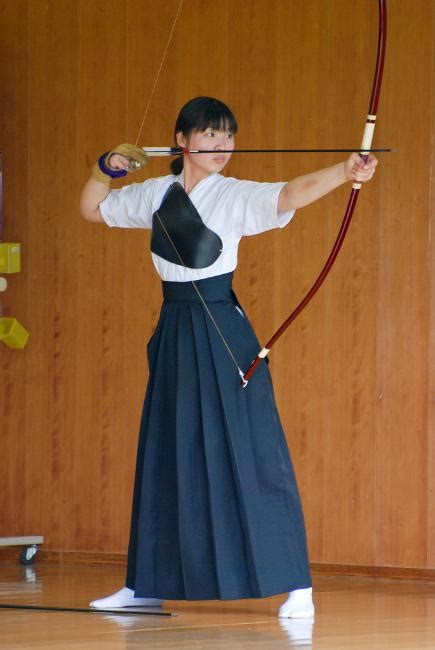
216,510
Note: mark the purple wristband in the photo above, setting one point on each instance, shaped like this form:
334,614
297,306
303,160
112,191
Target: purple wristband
113,173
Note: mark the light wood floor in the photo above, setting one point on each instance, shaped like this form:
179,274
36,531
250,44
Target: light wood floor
352,613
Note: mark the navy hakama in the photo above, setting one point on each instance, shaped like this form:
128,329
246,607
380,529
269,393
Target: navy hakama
216,509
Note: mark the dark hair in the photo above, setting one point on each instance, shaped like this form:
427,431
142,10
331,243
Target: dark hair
199,114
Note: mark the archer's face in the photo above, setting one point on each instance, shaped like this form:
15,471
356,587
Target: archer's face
204,164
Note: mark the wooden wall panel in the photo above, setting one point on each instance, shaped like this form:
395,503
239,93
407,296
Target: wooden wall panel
431,355
98,452
13,144
403,346
353,375
50,264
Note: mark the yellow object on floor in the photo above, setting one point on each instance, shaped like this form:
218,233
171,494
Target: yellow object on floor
12,333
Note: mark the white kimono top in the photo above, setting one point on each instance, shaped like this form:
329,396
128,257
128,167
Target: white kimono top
230,207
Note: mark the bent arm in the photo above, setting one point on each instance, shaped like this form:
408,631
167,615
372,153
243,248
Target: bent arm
306,189
94,192
118,162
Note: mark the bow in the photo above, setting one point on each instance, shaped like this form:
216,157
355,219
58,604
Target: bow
365,147
364,151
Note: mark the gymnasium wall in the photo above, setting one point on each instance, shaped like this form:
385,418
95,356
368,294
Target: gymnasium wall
353,376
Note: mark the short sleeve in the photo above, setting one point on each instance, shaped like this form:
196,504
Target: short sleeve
129,207
257,204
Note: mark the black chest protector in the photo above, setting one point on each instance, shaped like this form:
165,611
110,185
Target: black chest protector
193,244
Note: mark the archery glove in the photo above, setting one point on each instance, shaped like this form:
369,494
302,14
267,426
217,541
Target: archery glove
137,159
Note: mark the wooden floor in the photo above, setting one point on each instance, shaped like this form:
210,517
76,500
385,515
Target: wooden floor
352,613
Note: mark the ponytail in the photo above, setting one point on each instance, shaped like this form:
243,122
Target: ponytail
177,165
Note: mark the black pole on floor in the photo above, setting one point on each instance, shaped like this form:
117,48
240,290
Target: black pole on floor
87,610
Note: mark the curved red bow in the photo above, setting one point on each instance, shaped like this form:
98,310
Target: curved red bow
366,145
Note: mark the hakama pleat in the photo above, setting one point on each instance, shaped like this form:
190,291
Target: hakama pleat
216,509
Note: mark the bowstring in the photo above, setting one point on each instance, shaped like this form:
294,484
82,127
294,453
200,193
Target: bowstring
159,72
203,302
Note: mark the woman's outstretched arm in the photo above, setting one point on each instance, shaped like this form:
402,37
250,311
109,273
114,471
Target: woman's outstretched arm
306,189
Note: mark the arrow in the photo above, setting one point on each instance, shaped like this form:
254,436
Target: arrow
176,151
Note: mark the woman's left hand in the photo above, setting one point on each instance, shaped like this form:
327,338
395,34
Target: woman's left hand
359,171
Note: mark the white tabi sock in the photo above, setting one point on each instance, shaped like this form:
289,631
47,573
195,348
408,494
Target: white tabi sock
299,604
298,630
125,598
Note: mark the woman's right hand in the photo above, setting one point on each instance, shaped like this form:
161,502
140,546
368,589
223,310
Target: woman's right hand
118,162
128,157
